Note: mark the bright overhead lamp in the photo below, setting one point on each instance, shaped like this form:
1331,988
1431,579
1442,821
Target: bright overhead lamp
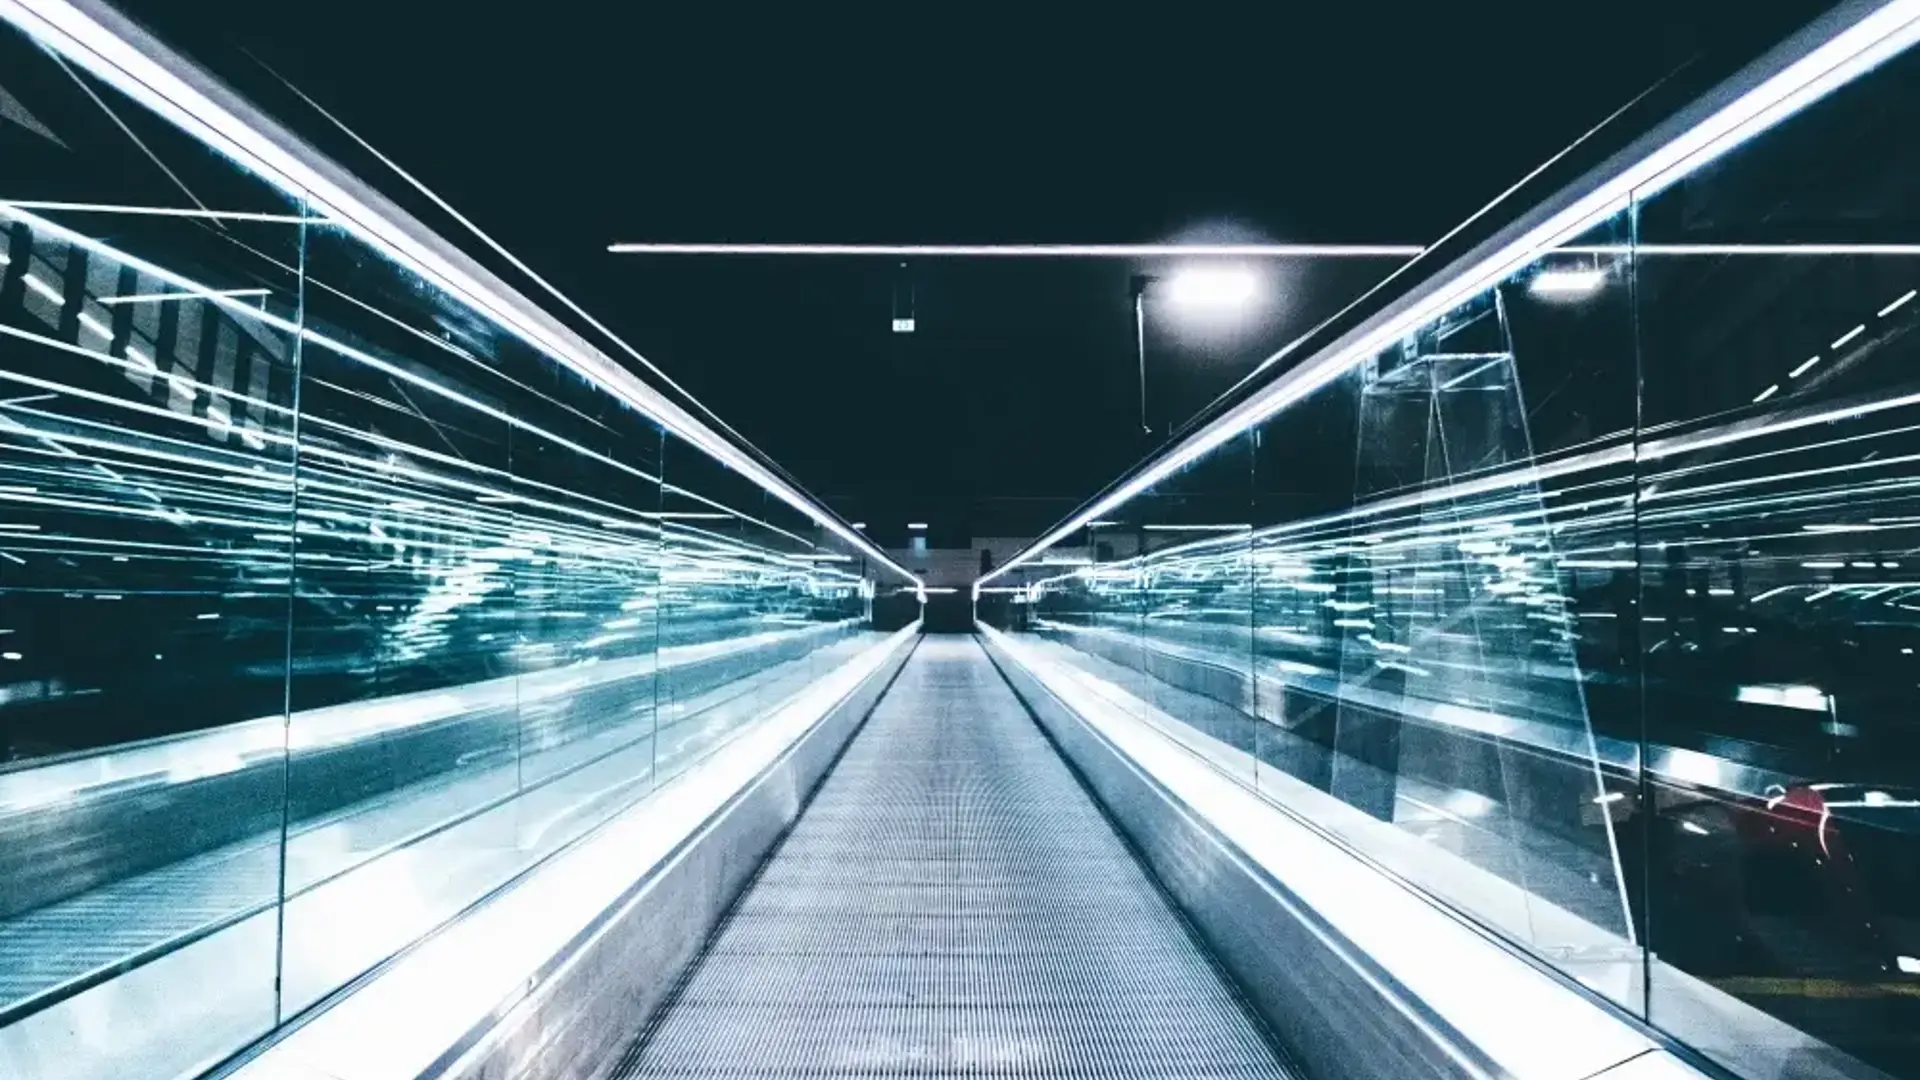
1213,287
1040,251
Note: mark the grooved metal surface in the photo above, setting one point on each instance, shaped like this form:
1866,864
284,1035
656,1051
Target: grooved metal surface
952,902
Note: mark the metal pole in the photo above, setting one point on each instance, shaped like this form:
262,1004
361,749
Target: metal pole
1140,343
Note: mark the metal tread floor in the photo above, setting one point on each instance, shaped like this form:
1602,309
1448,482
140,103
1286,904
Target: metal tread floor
952,903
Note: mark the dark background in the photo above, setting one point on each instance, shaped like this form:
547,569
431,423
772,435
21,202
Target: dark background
562,126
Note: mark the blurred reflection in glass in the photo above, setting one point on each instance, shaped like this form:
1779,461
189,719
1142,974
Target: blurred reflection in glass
1399,657
327,605
148,381
1777,516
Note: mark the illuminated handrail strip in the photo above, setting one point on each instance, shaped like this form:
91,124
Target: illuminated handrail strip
1811,65
94,36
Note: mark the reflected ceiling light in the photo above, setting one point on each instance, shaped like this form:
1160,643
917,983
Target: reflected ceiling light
1216,287
160,298
1813,248
859,524
52,294
1567,282
1808,698
917,526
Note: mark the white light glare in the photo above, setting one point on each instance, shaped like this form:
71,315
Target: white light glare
1567,282
1213,287
1908,965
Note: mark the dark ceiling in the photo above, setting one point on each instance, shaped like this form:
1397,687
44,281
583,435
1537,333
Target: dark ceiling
573,123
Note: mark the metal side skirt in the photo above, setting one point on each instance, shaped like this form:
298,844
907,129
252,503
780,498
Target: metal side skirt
1334,1011
612,980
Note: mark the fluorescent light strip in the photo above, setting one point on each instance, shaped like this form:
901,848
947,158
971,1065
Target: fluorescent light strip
151,74
1852,51
1802,369
1038,251
52,294
1739,249
1895,306
1568,282
161,298
159,211
1767,393
1849,336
